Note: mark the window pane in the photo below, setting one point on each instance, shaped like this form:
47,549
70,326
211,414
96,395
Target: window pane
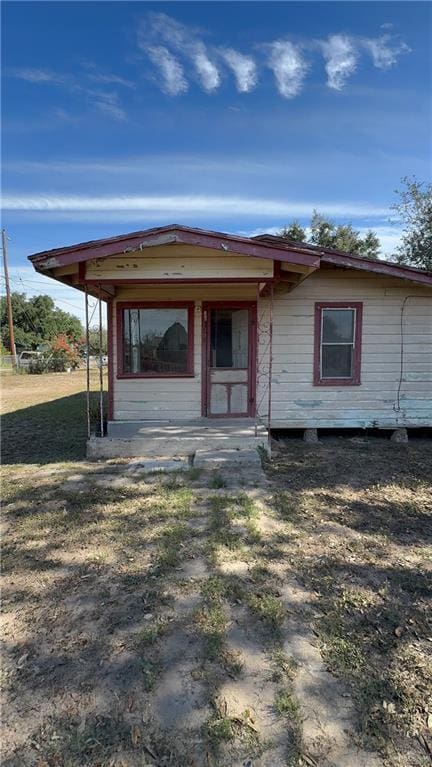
336,361
229,338
338,325
155,340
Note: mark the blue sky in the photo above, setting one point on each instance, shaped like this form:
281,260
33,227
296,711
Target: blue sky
238,116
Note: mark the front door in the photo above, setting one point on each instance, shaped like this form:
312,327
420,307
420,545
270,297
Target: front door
229,359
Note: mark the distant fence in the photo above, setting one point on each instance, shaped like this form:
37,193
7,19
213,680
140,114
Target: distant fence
6,361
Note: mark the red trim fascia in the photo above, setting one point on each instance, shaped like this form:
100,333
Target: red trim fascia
82,271
377,267
355,379
205,355
170,235
189,305
110,309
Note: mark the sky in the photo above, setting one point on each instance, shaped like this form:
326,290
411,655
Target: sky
235,116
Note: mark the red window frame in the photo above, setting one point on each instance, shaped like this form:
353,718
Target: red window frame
355,379
189,305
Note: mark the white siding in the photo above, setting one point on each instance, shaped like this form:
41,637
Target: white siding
168,398
297,403
178,262
140,399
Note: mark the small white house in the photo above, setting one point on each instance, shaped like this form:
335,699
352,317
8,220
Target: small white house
236,335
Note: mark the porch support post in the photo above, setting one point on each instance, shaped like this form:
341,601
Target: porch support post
270,366
87,362
101,393
257,359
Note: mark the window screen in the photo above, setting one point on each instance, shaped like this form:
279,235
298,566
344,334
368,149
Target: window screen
155,341
337,343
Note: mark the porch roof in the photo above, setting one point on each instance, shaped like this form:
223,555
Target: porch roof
265,246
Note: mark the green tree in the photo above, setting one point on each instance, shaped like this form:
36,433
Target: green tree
327,234
294,232
36,320
414,208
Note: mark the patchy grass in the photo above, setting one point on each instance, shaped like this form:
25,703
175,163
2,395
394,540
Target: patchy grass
283,667
43,416
94,562
217,481
286,705
359,525
221,728
269,609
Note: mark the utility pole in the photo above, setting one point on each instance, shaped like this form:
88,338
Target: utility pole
8,301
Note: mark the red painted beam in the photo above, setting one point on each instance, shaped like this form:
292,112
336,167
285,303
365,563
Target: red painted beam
137,241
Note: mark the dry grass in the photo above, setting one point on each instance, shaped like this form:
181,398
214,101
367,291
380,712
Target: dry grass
359,524
43,416
97,597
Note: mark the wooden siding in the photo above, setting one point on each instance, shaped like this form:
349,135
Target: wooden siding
297,403
178,262
168,398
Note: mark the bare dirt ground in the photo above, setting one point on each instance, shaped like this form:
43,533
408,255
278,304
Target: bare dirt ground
216,618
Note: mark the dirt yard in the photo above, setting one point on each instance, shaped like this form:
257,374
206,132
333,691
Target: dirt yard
214,618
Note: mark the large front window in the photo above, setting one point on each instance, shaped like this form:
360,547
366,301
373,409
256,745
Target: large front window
156,340
337,343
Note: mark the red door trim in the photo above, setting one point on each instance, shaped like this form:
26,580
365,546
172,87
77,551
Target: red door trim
205,355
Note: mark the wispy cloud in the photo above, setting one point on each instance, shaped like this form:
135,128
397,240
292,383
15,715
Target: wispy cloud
108,103
158,27
180,55
31,75
385,50
97,75
173,80
244,69
103,101
289,67
341,58
167,205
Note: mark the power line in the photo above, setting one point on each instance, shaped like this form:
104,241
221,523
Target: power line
26,284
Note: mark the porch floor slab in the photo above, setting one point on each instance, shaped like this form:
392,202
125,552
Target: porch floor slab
168,439
199,428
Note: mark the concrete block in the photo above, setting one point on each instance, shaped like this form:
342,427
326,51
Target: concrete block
211,459
400,436
144,466
310,436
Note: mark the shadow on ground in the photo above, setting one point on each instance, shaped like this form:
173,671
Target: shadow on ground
52,432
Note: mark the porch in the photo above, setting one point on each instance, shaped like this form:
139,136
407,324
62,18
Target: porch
178,439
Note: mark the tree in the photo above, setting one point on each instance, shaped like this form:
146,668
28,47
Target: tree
327,234
294,232
415,211
37,320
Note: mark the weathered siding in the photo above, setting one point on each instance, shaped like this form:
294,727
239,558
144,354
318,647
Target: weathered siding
178,262
297,403
165,398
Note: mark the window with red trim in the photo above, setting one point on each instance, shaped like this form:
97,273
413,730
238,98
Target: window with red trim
337,357
155,340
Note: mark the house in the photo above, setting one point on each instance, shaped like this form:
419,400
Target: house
216,334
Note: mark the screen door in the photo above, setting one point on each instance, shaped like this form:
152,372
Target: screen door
229,384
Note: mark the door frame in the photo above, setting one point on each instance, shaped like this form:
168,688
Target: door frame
205,356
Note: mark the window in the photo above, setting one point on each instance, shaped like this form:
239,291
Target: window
229,338
337,344
155,340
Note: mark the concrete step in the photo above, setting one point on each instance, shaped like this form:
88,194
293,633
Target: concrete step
169,446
